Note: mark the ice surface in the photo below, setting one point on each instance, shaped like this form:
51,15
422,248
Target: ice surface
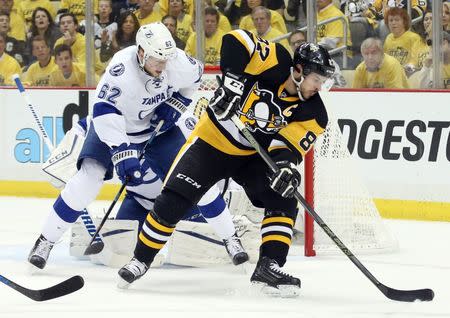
332,287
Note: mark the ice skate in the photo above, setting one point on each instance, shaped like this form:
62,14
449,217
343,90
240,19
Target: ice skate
235,250
131,272
270,278
40,252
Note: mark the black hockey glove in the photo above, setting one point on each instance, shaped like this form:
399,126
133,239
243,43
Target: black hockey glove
286,180
227,97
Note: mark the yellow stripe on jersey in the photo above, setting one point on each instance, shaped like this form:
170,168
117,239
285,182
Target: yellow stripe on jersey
149,243
158,226
247,41
278,238
287,98
298,134
278,219
262,53
272,148
208,132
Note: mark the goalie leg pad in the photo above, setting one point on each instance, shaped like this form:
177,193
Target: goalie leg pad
62,162
119,236
196,244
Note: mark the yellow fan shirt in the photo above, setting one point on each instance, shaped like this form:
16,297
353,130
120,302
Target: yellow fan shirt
421,52
212,47
403,48
39,76
77,78
389,75
333,29
78,47
276,22
26,8
445,73
8,67
155,16
17,25
184,27
188,7
78,7
224,23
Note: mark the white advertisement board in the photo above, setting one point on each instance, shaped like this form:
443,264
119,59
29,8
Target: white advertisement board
399,140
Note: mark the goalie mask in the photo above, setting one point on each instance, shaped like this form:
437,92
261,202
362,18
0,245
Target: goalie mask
156,41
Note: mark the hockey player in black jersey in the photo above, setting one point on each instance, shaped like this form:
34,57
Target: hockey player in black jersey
276,97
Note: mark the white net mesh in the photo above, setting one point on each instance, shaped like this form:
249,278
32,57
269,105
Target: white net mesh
341,198
343,201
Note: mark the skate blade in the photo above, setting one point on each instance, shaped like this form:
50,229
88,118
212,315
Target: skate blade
244,268
158,261
280,292
122,284
32,269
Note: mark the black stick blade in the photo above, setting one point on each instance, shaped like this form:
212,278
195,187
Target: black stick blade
407,295
94,248
64,288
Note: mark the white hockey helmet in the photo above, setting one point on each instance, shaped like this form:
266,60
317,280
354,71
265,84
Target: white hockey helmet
156,41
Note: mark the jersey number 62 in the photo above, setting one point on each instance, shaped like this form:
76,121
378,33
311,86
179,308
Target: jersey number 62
109,94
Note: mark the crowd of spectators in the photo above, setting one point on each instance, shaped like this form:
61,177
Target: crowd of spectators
376,43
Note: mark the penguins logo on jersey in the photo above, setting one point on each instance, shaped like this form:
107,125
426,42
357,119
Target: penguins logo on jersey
260,112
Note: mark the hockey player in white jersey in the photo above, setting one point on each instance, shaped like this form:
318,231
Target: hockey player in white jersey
194,242
134,95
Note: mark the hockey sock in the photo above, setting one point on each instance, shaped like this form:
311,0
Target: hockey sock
59,220
218,216
276,232
154,234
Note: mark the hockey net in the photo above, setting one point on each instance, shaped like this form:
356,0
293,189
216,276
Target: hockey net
332,185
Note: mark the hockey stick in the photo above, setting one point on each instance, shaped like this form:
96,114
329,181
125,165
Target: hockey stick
391,293
86,218
64,288
95,248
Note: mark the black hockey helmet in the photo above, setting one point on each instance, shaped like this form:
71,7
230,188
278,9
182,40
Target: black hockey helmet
313,58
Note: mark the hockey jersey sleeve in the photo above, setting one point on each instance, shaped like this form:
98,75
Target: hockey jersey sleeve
185,74
309,122
108,119
243,52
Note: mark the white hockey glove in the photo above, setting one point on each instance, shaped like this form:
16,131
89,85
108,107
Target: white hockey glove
227,97
170,111
286,180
